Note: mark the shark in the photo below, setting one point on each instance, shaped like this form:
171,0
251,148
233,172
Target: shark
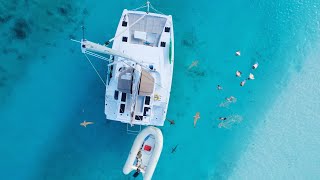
174,149
195,119
171,122
85,123
193,64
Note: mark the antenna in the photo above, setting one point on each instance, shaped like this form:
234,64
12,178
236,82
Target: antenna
148,6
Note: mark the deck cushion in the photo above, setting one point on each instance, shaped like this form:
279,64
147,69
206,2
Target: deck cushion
146,84
147,148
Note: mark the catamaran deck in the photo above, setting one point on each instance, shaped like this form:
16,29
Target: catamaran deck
146,31
147,38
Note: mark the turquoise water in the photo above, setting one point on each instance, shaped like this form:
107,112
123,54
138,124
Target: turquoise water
47,88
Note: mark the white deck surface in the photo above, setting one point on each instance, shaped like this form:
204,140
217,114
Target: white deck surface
148,52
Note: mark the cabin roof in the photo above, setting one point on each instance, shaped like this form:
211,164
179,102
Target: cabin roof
125,80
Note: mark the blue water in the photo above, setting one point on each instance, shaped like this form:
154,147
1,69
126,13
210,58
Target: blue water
47,88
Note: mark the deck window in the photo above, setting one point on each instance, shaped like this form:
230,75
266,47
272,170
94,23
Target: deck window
124,24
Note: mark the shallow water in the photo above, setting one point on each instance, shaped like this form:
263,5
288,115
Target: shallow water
287,140
47,88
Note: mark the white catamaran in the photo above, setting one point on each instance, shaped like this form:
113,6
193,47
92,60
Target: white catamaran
140,67
139,80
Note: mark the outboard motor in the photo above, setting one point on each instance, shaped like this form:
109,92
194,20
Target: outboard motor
136,174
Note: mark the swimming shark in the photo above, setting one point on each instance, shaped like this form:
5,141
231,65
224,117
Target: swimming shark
85,123
174,149
196,118
171,122
193,64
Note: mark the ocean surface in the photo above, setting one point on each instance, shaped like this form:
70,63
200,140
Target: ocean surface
47,88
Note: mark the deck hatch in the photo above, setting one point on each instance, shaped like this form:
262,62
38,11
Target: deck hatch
167,29
163,44
145,110
123,97
147,100
139,118
124,24
122,107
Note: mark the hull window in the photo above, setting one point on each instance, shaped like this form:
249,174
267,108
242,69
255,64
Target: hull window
116,95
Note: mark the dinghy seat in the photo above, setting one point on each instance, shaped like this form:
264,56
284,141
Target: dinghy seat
147,148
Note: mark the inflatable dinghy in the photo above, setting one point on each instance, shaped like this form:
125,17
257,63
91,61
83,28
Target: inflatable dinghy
145,153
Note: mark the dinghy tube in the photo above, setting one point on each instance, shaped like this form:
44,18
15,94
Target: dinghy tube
145,152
